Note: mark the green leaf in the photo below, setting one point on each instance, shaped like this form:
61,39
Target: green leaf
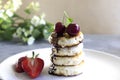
24,39
36,33
48,30
28,11
7,35
1,20
4,26
68,20
1,34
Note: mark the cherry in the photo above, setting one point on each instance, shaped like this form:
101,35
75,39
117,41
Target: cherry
59,28
73,29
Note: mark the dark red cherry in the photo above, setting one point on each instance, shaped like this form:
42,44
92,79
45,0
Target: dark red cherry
59,28
73,29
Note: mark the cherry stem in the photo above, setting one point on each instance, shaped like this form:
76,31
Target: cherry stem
65,16
63,19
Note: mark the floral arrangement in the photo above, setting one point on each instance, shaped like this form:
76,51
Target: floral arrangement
27,30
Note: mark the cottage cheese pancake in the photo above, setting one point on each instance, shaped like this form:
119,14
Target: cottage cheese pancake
67,70
73,60
68,51
65,40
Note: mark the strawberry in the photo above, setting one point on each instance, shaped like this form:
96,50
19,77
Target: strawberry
18,66
33,66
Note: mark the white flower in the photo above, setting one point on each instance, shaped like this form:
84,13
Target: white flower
18,32
2,13
16,4
34,6
9,13
38,20
35,20
42,21
30,40
31,28
42,16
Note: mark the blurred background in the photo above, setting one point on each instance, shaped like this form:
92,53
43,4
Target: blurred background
94,16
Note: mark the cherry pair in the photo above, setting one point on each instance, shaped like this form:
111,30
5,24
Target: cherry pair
72,29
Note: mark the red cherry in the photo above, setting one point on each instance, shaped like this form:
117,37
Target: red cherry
59,28
73,29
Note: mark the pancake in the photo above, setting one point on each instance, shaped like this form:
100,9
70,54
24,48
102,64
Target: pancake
68,51
71,60
66,70
66,40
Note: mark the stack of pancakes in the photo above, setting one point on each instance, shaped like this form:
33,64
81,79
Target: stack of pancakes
67,55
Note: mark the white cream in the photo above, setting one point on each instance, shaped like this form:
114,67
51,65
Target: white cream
68,51
75,60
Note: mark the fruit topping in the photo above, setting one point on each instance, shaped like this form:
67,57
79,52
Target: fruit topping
59,28
67,26
33,66
73,29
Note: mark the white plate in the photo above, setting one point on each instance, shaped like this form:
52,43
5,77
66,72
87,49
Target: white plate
98,66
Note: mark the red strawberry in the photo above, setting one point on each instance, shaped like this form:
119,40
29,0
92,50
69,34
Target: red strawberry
18,66
33,66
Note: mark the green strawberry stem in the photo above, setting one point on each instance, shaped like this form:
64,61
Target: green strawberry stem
34,56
